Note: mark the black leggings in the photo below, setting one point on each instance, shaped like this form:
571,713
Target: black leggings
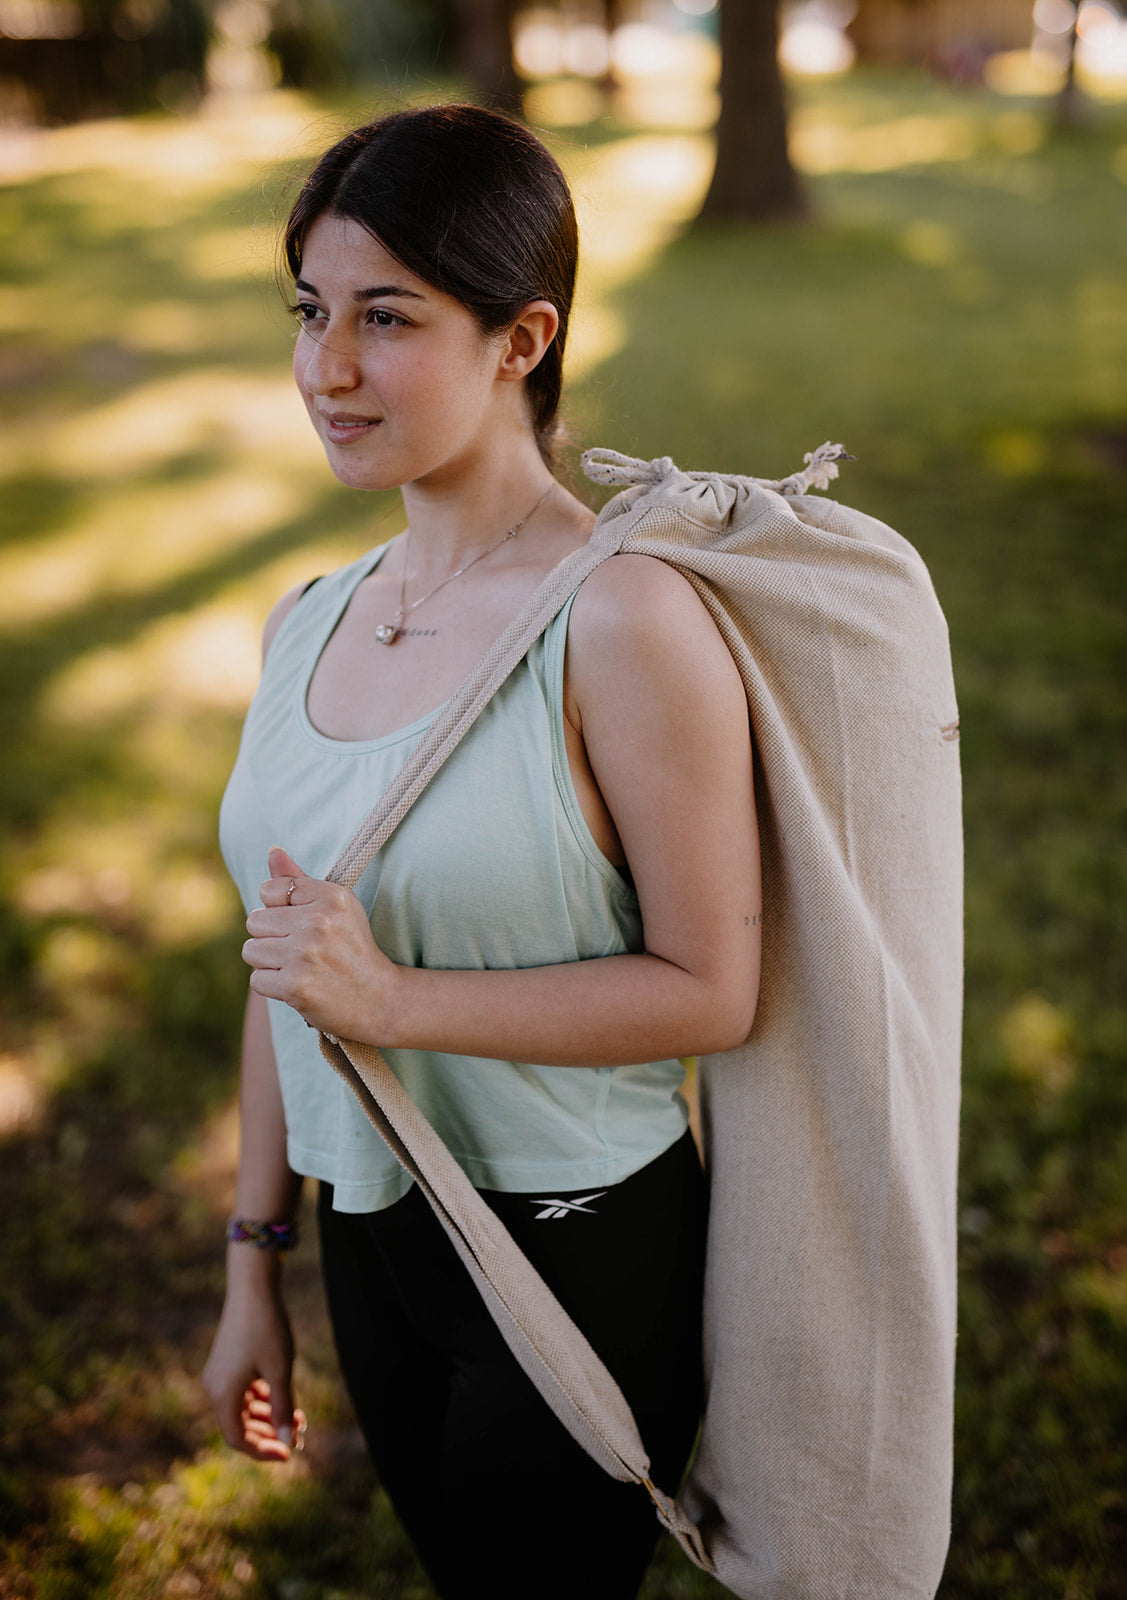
498,1499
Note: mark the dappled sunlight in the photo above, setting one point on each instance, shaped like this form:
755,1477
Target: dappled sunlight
1017,452
822,143
566,103
205,1167
20,307
1036,74
232,253
146,537
933,244
218,407
679,90
22,1095
76,966
117,873
165,325
1037,1038
631,198
67,888
210,658
216,152
822,146
660,79
188,904
597,333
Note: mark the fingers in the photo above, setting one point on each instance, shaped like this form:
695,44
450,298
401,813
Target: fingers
292,890
272,924
271,986
241,1423
269,1430
265,953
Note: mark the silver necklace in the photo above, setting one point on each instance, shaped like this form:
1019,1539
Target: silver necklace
388,632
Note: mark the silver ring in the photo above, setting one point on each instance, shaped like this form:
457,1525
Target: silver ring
290,890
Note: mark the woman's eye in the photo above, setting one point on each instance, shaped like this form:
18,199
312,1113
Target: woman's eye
304,312
386,319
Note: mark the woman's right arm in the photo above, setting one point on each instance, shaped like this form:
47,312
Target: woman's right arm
247,1377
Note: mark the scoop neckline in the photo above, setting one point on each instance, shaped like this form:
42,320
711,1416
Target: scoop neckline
305,721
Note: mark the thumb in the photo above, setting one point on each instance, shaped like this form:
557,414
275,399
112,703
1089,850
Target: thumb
282,865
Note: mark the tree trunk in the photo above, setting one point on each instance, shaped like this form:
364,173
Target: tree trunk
612,17
485,52
754,180
1070,106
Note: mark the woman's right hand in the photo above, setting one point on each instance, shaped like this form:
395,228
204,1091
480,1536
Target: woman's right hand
248,1373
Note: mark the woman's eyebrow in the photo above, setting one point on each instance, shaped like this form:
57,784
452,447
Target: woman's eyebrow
375,293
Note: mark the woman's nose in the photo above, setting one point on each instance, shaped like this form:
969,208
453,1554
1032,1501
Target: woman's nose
331,365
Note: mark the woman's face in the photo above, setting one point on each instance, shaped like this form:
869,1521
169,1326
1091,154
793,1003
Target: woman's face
397,377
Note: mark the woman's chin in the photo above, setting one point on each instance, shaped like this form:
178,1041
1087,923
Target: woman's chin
357,473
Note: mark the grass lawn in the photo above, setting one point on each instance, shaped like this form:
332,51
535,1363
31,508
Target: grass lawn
958,316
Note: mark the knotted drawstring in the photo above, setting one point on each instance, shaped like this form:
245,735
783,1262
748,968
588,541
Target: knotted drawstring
610,467
819,471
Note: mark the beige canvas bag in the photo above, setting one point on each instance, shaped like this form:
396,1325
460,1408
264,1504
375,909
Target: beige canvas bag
824,1466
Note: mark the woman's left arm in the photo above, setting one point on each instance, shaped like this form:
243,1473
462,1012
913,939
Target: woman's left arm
664,720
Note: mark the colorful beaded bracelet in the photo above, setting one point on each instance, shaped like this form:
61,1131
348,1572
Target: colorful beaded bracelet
266,1235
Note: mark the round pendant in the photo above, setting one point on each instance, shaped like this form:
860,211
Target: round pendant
387,633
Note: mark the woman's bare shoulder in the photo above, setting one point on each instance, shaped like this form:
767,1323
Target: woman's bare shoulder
632,599
638,620
279,613
635,591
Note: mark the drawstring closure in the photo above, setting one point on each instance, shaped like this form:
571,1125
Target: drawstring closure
610,467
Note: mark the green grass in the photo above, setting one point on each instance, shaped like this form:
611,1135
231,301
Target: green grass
958,316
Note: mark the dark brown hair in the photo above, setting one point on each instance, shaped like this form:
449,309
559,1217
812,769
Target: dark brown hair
470,202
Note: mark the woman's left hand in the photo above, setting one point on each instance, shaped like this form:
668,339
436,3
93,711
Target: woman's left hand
311,945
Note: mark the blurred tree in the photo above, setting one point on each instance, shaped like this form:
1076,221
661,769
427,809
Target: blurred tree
75,59
753,179
915,33
329,44
483,51
612,19
326,44
1071,102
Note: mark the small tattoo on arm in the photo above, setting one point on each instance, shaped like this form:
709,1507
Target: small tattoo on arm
752,922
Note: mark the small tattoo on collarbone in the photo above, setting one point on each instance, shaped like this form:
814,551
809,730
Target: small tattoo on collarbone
417,633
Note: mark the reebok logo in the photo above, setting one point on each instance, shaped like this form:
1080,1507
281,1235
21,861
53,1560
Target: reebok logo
560,1208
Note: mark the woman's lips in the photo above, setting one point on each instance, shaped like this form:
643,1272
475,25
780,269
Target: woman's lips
342,426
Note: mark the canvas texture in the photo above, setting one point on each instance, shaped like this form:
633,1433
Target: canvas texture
824,1467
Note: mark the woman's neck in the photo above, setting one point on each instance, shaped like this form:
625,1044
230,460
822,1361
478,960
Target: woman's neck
456,515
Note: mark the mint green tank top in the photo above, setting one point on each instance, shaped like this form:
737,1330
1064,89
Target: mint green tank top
493,867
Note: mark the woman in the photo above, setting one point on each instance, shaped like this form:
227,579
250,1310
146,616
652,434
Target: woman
570,906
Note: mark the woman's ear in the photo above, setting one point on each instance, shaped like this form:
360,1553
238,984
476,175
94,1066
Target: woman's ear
527,340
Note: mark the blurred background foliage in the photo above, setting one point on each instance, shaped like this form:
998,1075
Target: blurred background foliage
956,312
